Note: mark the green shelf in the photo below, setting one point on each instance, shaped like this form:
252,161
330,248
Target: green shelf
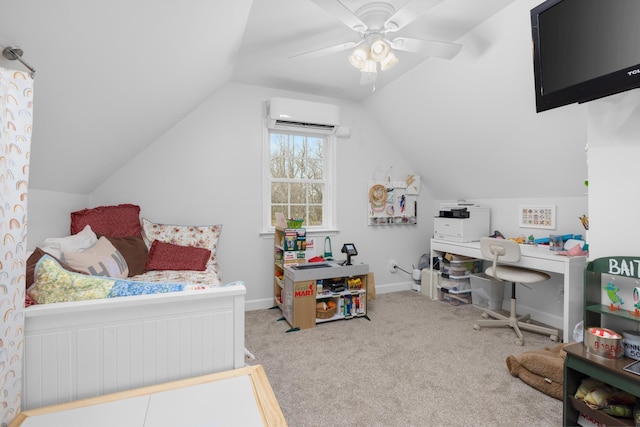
604,309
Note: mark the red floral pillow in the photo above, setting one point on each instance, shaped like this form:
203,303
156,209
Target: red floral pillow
167,256
112,221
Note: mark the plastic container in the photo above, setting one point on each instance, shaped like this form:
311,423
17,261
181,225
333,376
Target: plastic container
486,292
631,344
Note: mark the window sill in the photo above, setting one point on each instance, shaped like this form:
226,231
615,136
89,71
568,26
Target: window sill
310,232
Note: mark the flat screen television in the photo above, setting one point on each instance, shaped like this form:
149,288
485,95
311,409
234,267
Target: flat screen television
584,50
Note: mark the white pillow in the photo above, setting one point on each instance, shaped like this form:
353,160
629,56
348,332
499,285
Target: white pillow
77,242
101,259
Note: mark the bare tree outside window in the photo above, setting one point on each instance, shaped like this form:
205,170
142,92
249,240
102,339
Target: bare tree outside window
297,176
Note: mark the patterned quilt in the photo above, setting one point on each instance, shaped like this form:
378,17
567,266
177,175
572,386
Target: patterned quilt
55,284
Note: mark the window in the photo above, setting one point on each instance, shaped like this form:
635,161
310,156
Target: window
299,178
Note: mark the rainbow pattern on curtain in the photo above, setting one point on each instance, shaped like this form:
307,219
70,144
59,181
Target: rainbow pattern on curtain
16,108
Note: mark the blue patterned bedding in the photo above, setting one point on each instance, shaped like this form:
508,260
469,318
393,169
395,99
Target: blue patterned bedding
55,284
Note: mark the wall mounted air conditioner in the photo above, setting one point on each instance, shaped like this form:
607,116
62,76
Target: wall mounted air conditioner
294,114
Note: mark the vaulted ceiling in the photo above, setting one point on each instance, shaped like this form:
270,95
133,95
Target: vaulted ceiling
113,76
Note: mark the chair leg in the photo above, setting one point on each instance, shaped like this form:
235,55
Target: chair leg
514,322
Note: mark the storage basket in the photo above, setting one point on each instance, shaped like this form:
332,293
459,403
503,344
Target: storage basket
295,223
325,314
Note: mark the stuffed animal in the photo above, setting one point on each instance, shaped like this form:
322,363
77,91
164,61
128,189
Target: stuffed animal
541,369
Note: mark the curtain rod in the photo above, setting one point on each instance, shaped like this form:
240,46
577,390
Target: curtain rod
14,52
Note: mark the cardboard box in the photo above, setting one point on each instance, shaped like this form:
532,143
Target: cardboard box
371,287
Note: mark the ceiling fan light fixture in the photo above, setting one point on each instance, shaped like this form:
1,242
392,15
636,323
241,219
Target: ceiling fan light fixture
370,66
358,57
389,61
379,50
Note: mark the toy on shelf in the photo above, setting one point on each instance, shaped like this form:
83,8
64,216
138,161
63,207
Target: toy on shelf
612,293
636,300
294,222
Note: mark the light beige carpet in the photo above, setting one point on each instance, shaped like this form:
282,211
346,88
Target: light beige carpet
418,362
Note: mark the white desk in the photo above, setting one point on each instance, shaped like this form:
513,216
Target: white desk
537,258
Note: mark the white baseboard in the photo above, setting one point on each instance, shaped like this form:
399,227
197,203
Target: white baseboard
539,316
260,304
394,287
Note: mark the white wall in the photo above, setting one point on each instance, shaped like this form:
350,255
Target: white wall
614,195
208,168
49,214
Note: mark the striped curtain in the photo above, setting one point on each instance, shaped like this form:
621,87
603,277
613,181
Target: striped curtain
16,107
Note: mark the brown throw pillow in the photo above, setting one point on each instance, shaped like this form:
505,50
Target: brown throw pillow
134,251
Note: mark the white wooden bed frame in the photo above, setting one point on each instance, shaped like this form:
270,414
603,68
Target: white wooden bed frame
85,349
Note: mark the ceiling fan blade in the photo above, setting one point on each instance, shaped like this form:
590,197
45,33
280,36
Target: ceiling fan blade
342,12
327,50
438,49
408,13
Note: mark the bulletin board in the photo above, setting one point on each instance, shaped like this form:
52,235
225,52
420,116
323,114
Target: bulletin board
393,202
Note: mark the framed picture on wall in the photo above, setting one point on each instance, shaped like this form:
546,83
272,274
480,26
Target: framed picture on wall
536,216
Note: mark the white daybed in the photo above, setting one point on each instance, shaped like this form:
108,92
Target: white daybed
82,349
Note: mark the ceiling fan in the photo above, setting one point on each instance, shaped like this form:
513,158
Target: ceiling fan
375,22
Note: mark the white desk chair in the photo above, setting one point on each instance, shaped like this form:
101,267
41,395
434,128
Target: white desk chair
509,251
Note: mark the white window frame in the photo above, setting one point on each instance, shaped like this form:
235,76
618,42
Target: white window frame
329,195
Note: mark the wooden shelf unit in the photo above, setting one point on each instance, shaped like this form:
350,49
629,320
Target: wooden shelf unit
303,288
289,249
580,363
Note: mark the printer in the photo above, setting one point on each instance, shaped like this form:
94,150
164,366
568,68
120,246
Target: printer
461,222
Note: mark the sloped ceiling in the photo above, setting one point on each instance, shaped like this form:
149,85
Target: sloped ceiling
113,76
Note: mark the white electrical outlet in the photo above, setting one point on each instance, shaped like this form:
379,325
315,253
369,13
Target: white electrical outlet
393,266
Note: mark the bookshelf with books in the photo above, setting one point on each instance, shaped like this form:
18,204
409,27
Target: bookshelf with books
290,245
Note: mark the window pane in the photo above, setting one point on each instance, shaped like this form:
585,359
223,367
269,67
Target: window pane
278,144
298,193
278,166
315,216
299,212
299,146
279,192
315,193
280,155
296,168
313,169
315,148
278,208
